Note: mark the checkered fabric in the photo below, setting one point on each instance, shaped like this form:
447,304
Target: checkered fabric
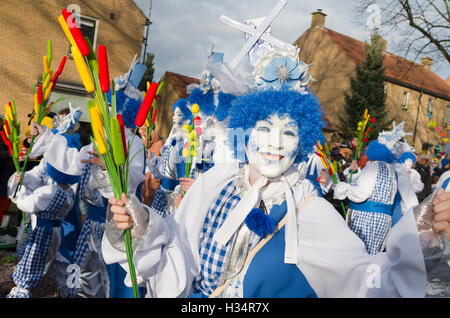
90,229
53,210
211,253
22,247
383,186
159,203
84,179
371,228
165,155
31,267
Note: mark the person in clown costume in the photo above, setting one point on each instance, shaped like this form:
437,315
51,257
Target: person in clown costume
170,166
48,195
378,191
254,228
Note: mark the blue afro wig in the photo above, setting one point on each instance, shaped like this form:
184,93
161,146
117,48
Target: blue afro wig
248,109
182,105
127,106
223,108
407,155
379,152
204,101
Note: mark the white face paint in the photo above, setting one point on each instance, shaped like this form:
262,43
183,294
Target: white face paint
178,119
273,145
408,163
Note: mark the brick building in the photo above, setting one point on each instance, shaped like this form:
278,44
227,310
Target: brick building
26,27
414,93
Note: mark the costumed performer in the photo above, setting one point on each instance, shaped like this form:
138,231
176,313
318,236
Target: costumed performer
408,159
46,193
373,193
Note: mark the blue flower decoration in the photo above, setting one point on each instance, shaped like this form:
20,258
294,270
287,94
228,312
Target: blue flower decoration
284,72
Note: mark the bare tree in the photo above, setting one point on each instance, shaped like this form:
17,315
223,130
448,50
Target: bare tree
421,27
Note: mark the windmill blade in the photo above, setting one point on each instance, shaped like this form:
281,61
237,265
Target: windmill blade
258,33
252,31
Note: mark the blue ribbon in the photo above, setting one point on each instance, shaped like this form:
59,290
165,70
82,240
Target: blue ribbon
372,206
47,224
169,184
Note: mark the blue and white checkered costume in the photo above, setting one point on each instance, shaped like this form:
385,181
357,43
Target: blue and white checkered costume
211,253
31,268
91,229
372,227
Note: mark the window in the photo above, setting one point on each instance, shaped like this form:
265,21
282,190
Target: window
405,100
447,115
430,107
89,28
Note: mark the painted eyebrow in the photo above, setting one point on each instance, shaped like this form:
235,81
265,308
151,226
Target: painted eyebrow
292,124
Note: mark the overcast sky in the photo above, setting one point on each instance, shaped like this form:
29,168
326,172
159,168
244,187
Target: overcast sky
184,30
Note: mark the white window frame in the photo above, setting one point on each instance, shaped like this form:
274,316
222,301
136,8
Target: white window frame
97,22
430,107
447,115
405,100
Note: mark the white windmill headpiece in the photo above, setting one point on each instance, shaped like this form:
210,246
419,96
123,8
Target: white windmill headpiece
393,139
274,63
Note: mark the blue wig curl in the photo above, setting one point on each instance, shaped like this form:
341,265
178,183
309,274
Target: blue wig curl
60,177
204,101
407,155
182,105
304,109
378,151
223,108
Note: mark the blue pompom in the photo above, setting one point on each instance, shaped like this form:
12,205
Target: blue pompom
173,142
259,222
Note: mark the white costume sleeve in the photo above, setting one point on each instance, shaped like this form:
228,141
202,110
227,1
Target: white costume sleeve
442,179
32,179
416,180
167,258
364,188
41,144
336,264
171,168
37,200
355,174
